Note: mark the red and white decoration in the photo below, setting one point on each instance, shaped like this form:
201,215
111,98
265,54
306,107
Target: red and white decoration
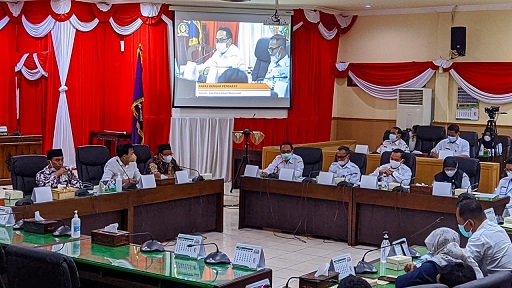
329,25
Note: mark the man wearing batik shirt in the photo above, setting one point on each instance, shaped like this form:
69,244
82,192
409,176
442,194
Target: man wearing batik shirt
163,165
56,173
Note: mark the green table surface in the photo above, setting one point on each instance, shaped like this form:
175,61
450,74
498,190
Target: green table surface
163,265
382,271
9,236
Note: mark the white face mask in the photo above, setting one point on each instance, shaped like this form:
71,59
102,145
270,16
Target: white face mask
275,58
167,159
394,164
343,163
221,47
509,174
487,138
450,173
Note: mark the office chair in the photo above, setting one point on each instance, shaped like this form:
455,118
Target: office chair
427,138
262,59
469,166
502,279
410,161
312,158
143,154
472,138
30,267
24,169
90,162
360,160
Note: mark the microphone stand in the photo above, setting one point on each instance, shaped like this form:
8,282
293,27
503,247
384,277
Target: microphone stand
213,258
245,159
364,267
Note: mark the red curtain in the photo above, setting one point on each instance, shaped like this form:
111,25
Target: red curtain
489,77
309,119
7,77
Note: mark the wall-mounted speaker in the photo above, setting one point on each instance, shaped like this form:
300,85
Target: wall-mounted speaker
458,40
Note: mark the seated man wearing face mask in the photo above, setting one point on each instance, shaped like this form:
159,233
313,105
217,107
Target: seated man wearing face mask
163,165
278,73
394,142
286,160
343,168
395,171
454,143
451,174
123,164
505,186
56,173
226,54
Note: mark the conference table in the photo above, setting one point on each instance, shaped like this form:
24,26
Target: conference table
352,214
164,211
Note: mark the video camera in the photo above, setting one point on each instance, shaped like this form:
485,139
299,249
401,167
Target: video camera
492,111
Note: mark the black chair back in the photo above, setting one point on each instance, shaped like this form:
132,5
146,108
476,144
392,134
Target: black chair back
502,279
410,161
506,143
30,267
427,138
312,158
90,162
143,156
262,59
472,138
24,169
469,166
360,160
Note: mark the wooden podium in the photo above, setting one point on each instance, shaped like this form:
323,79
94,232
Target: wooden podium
16,145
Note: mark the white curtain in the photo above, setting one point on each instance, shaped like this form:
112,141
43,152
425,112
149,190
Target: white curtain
30,74
63,36
204,144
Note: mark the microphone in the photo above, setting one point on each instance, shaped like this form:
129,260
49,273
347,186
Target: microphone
150,245
205,55
345,183
401,188
428,226
63,230
364,267
310,179
198,177
214,258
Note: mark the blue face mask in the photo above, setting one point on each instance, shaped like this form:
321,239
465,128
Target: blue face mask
286,156
452,139
464,232
392,137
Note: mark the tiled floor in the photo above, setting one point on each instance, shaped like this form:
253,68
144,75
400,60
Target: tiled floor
286,256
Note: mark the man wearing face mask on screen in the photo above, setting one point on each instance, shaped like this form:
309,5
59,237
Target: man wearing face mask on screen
56,173
395,171
163,165
124,164
278,72
226,54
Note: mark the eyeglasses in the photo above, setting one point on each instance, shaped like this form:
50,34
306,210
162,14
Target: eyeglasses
221,40
271,49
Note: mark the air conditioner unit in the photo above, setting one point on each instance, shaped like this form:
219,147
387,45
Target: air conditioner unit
414,107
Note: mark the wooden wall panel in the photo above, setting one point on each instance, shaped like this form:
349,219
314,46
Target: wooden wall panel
364,131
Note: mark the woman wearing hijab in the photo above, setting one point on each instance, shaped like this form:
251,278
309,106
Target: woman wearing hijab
451,174
443,246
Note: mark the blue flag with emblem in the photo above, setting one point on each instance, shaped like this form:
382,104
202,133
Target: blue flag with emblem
138,100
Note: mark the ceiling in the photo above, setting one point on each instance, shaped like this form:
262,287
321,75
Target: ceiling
340,5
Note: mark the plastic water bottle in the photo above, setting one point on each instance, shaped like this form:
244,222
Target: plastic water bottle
75,226
481,152
384,247
119,183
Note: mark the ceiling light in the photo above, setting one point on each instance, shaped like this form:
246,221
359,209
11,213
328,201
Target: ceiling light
368,6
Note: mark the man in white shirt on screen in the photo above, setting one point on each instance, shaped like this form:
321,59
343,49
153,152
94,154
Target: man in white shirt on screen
278,73
343,167
454,143
226,54
286,160
394,142
395,171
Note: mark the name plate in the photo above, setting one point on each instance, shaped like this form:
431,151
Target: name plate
42,194
343,265
6,216
249,256
197,251
147,181
489,213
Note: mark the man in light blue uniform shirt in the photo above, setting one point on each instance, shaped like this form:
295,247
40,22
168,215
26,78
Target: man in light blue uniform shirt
454,143
505,186
286,160
343,168
395,171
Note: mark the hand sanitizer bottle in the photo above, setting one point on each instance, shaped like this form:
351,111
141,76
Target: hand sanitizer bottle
75,226
119,183
384,247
